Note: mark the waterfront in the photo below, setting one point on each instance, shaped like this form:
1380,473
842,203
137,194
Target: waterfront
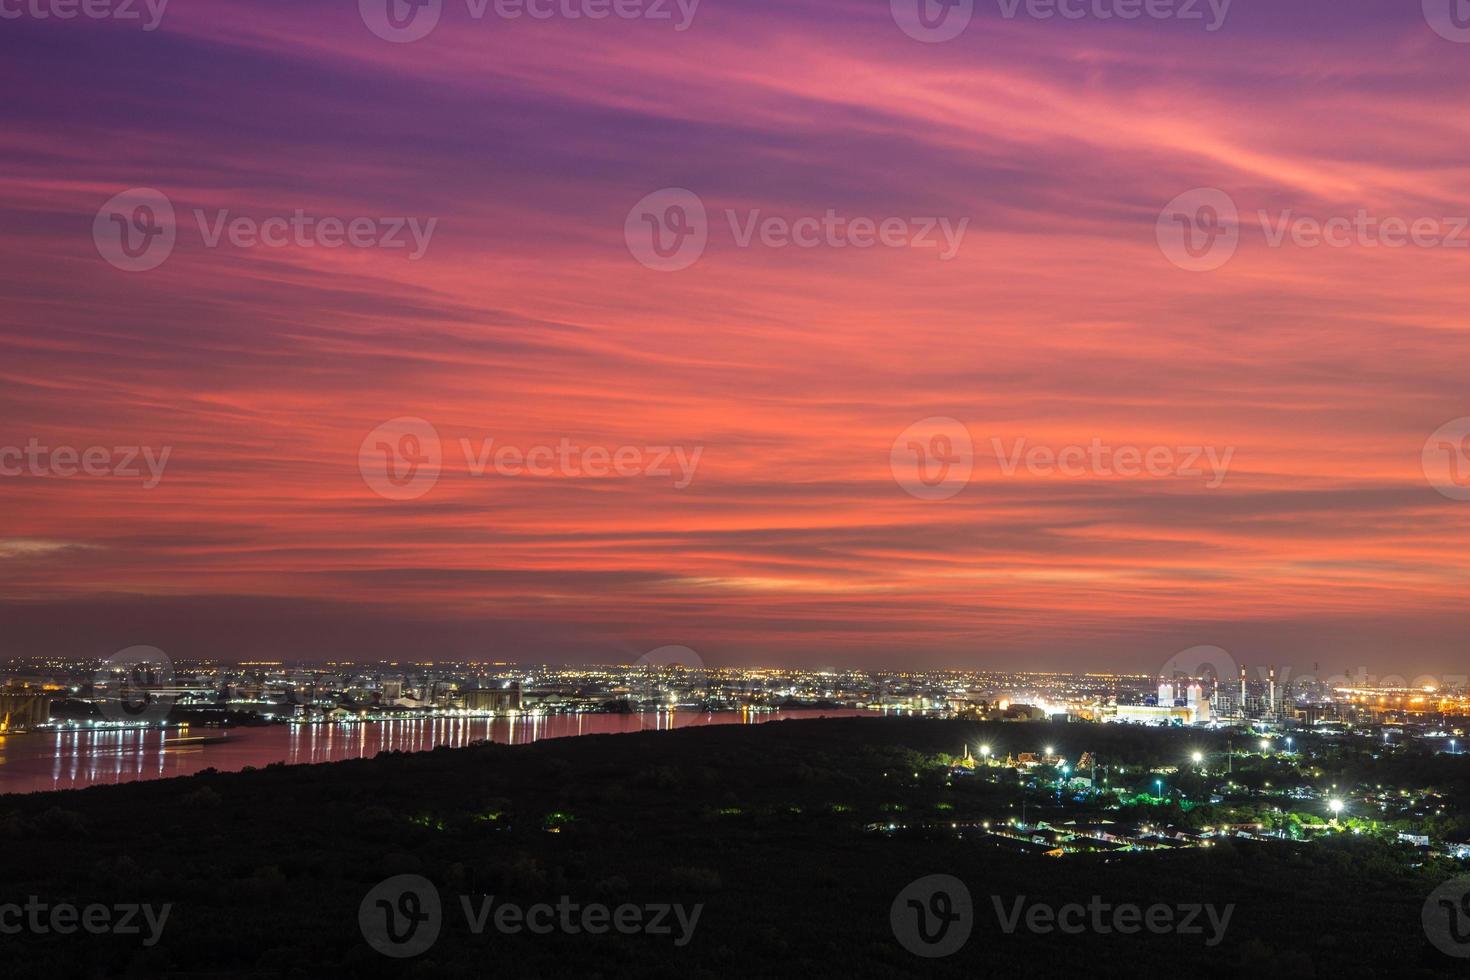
79,757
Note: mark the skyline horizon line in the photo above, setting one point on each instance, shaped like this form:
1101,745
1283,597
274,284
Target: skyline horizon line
1282,674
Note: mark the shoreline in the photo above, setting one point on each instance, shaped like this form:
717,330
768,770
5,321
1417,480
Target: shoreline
81,757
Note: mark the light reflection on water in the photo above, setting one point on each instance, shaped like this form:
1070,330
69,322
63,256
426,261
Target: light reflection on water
71,759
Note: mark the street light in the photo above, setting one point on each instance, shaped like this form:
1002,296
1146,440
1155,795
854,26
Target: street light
1048,750
1265,744
1336,807
1198,757
985,752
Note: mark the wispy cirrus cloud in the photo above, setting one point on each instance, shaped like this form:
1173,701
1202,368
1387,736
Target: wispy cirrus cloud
527,322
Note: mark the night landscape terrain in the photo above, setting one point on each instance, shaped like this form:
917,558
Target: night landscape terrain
766,825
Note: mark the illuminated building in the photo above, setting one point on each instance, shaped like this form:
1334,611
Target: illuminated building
23,709
492,699
1160,714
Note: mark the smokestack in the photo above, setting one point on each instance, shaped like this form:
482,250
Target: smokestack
1242,690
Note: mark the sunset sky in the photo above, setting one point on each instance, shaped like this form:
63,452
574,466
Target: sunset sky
528,320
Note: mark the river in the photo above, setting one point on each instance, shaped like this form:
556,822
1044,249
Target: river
75,758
